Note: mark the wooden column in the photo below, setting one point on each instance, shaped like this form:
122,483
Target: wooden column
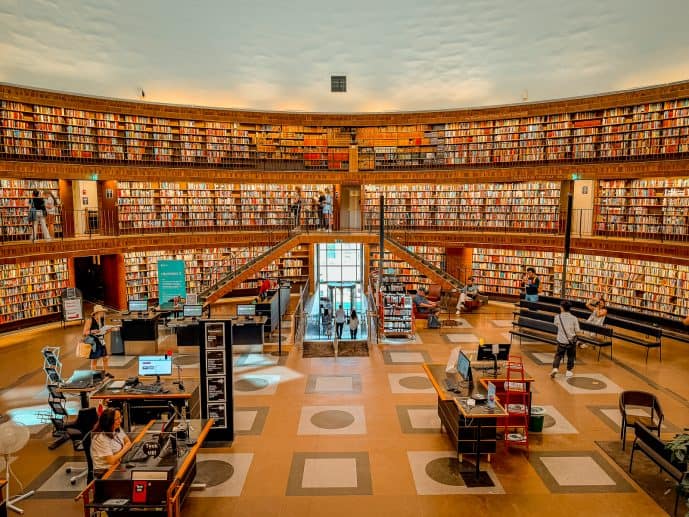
458,262
115,293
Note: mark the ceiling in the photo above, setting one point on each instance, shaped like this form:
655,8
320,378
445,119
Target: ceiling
396,54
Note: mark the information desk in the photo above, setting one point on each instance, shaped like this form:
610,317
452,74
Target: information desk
138,329
131,400
163,483
189,331
471,429
248,331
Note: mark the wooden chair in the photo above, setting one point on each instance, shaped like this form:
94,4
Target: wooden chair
434,292
639,399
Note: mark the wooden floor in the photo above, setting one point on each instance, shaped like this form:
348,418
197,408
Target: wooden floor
357,435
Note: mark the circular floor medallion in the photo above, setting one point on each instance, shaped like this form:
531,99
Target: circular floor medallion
332,419
213,472
415,382
251,384
586,383
445,471
548,421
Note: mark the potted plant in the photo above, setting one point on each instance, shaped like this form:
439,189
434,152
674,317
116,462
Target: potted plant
679,454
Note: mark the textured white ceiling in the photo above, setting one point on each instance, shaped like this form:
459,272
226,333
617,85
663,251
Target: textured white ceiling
397,55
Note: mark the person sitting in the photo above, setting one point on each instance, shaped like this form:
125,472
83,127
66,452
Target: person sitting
423,305
265,286
598,313
468,294
109,443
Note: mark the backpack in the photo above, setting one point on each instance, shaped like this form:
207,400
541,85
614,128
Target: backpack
433,322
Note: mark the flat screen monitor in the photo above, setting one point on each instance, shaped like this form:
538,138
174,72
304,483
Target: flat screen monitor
246,310
138,305
192,311
485,352
464,366
155,365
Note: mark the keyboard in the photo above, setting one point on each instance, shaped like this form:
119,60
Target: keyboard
116,385
78,385
135,454
147,388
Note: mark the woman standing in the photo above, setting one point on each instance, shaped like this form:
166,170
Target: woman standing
353,324
51,207
295,208
94,337
109,442
328,210
37,213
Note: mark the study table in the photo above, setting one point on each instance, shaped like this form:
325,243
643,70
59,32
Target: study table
163,483
130,398
471,429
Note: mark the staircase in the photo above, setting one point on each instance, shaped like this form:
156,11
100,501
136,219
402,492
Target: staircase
248,270
437,275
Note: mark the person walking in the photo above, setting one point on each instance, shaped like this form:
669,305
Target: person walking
532,284
37,214
340,317
353,324
567,327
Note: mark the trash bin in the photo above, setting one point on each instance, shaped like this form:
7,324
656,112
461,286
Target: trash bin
536,419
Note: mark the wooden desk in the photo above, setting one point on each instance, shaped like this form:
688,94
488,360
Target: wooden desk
116,482
140,333
130,397
471,429
248,332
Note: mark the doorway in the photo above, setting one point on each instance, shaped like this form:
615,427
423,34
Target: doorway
85,198
89,277
350,208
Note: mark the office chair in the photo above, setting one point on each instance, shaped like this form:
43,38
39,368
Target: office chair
80,433
639,399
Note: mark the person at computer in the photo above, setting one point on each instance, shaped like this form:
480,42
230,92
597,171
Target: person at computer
108,443
424,305
93,335
469,293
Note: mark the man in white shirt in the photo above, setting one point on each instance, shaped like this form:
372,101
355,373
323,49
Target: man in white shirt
567,327
340,318
469,293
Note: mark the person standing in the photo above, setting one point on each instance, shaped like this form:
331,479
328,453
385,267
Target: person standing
567,327
295,208
353,324
37,213
340,317
328,210
51,208
320,206
532,284
109,442
94,337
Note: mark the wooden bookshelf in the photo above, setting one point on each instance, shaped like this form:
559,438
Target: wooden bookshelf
653,208
396,312
501,271
401,270
432,254
528,206
650,287
32,289
557,132
14,207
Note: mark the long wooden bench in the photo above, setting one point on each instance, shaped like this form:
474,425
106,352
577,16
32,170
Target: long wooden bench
651,337
538,330
679,336
654,448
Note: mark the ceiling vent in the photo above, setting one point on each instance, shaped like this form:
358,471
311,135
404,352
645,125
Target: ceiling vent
338,83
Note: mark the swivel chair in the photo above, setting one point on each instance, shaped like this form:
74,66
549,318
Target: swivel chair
80,433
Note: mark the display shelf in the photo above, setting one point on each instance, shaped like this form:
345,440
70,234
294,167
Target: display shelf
32,289
14,207
501,271
396,312
528,206
650,287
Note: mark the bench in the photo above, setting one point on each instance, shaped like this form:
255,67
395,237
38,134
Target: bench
654,448
651,338
595,335
534,329
679,336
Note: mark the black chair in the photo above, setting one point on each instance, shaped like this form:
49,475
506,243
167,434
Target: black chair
80,433
639,399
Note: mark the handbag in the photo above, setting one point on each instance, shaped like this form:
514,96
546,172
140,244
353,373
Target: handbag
83,349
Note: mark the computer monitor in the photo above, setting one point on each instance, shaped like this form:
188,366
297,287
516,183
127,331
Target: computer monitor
485,352
155,365
464,366
246,310
192,311
138,305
